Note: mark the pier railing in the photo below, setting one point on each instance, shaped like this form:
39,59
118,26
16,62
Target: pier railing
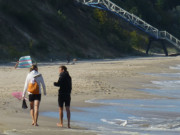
133,19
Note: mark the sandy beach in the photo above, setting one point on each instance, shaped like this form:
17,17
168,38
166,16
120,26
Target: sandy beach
105,79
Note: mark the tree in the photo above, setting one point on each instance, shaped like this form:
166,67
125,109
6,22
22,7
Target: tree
100,16
161,4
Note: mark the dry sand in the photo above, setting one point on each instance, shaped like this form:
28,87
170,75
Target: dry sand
106,79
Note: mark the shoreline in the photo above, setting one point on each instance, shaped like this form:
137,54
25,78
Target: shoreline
117,79
12,63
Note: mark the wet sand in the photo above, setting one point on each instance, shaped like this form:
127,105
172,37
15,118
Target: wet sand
106,79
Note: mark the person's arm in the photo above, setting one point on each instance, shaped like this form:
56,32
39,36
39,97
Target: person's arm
43,84
17,63
25,87
58,84
70,84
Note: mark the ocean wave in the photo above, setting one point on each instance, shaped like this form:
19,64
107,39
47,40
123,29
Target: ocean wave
174,75
119,122
176,67
145,123
167,84
130,103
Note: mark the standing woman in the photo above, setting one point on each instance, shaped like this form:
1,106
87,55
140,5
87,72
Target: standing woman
33,83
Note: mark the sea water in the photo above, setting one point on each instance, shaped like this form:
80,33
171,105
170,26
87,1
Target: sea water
135,116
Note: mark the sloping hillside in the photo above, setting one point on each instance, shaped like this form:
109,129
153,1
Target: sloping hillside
54,29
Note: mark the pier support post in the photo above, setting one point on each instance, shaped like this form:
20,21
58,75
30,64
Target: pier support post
162,42
164,47
148,46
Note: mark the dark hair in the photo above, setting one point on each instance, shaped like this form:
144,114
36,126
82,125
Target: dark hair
63,68
33,67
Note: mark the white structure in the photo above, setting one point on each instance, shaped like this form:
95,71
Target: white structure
133,19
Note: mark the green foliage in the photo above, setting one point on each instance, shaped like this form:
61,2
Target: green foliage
134,10
137,41
115,42
118,38
161,4
61,15
158,13
61,27
100,16
134,41
30,44
106,24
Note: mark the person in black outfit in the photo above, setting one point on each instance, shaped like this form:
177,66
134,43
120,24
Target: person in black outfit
64,96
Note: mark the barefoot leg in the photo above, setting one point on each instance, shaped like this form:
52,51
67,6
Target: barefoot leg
60,117
36,112
68,115
59,125
32,111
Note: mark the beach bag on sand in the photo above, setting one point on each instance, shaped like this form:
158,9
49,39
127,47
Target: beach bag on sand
33,86
24,105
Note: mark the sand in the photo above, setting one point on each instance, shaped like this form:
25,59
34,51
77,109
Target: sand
102,79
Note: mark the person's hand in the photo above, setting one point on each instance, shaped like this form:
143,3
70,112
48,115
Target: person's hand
23,97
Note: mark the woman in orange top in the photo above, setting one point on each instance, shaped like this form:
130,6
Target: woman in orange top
33,83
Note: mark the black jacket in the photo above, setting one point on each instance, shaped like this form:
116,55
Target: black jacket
64,83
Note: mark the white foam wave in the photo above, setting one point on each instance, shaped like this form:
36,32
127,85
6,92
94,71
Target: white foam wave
90,101
130,104
154,123
175,75
109,131
142,123
146,123
177,67
119,122
94,101
167,84
149,124
109,122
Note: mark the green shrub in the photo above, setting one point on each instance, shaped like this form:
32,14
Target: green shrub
100,16
61,15
134,10
134,40
116,43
